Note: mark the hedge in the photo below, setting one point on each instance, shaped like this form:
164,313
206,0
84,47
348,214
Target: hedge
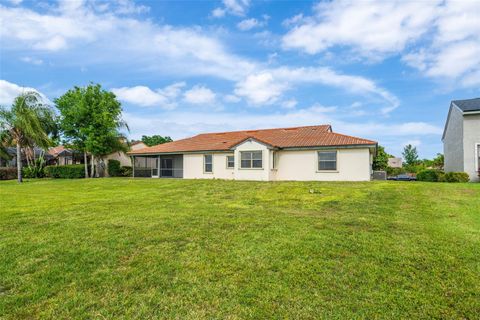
430,175
74,171
114,168
456,177
126,171
8,173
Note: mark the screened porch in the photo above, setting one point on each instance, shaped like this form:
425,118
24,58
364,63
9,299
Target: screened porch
158,166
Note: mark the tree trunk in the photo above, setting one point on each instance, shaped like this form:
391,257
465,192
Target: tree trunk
92,166
19,163
85,159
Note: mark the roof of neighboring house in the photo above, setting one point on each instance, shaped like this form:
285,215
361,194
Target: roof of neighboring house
297,137
133,143
468,104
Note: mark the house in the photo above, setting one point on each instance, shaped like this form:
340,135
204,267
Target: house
121,156
395,162
461,138
300,153
64,156
26,156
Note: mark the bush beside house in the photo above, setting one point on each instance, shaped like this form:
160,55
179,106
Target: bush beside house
432,175
8,173
114,168
74,171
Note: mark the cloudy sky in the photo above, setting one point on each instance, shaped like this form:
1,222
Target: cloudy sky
375,69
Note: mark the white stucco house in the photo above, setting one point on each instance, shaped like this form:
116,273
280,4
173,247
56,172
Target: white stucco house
300,153
461,138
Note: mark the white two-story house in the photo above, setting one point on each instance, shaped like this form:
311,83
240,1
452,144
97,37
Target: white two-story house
461,138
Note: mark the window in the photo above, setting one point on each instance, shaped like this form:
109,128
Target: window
230,162
208,163
251,160
327,160
274,160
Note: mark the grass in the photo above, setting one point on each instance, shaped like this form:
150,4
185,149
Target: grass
152,248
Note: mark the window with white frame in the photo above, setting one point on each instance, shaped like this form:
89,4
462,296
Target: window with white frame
251,160
230,162
327,160
208,163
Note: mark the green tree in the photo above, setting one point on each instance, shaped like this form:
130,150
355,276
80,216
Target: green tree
90,121
155,139
438,161
380,161
410,155
26,124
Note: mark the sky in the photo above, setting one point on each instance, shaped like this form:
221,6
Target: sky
382,70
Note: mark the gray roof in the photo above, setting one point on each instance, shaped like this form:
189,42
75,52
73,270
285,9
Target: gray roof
468,105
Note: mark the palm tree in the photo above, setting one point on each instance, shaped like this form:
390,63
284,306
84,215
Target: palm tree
25,124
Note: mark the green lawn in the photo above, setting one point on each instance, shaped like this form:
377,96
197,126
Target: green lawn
151,248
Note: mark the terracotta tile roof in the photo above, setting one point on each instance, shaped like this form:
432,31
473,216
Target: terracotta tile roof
311,136
56,150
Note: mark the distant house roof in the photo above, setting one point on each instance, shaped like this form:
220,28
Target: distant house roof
297,137
468,105
61,150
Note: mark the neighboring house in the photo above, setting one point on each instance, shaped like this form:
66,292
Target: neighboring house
301,153
395,162
64,156
121,156
461,138
12,152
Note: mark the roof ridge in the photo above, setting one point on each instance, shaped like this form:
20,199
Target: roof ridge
268,129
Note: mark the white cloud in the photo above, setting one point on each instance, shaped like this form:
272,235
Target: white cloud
289,104
32,60
199,95
268,86
99,37
231,98
145,97
218,13
439,38
249,24
260,88
236,7
9,91
108,38
373,26
15,2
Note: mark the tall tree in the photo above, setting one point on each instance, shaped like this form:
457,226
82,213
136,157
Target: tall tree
26,125
438,161
155,139
90,120
410,155
380,161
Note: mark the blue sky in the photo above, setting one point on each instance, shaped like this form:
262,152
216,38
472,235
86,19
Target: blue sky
380,70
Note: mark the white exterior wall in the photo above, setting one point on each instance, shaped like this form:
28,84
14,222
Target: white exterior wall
193,167
352,165
262,174
453,141
471,137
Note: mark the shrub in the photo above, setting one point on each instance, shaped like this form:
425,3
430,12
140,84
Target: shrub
74,171
430,175
8,173
114,168
394,171
456,177
126,171
36,170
